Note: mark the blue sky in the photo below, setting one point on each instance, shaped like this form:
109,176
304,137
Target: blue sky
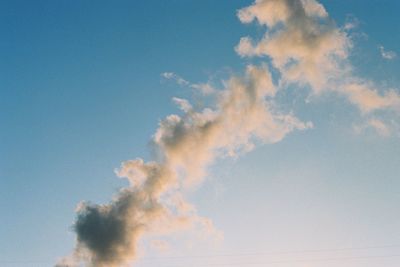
81,91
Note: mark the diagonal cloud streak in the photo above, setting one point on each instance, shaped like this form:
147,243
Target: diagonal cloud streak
306,48
107,235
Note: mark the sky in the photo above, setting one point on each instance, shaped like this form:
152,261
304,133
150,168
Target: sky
283,150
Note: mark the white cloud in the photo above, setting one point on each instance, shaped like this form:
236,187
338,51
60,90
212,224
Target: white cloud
172,76
204,88
386,54
351,23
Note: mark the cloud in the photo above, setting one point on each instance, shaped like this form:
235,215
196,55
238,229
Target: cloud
351,23
160,245
172,76
241,114
368,99
388,55
306,48
302,41
204,88
154,205
309,50
377,125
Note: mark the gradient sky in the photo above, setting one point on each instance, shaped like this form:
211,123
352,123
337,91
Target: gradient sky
81,91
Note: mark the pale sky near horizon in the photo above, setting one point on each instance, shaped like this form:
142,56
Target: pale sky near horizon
82,90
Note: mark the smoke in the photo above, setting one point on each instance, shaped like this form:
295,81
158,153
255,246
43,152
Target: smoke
306,48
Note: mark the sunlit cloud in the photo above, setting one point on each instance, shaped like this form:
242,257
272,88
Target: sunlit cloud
186,144
307,49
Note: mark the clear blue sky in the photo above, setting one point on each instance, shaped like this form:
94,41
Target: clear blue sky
81,91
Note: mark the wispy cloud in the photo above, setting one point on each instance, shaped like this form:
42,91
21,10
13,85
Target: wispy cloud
386,54
375,124
175,77
351,23
379,126
204,88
